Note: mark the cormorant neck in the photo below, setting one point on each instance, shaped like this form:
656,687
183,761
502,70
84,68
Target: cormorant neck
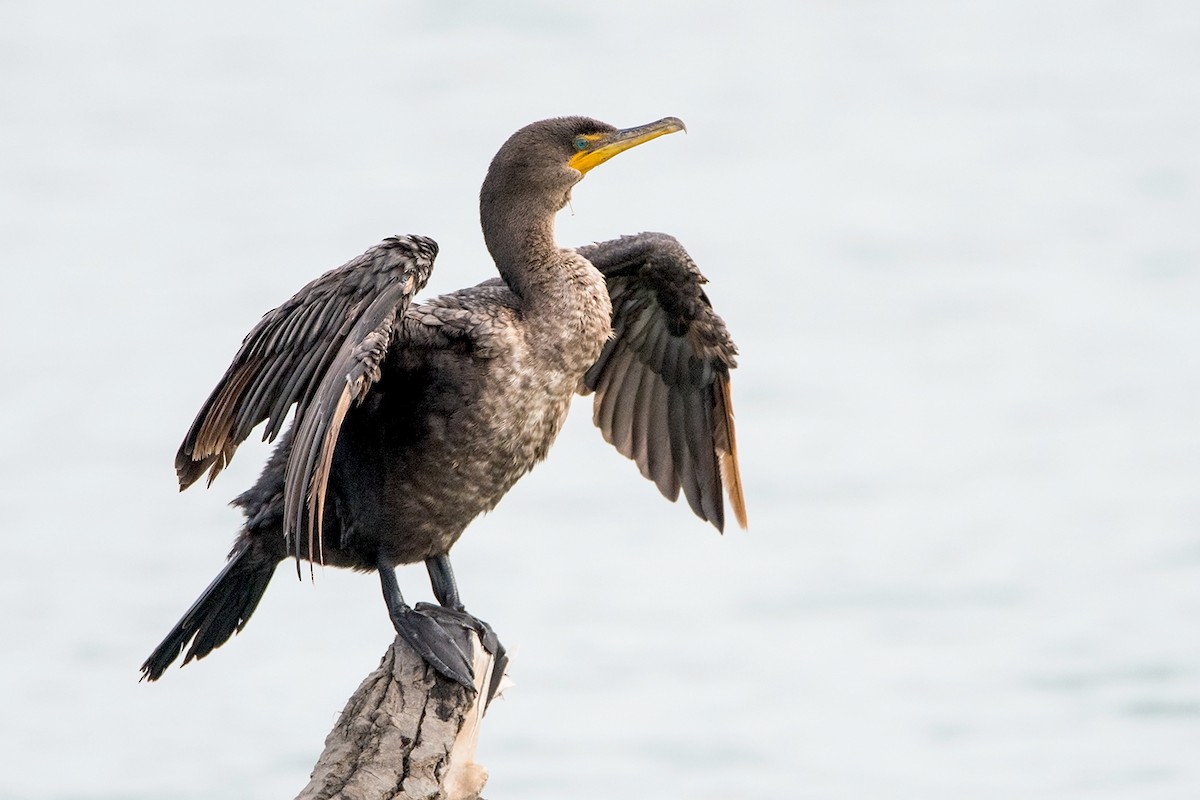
520,248
519,232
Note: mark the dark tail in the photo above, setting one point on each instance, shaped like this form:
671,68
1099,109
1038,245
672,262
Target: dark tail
220,612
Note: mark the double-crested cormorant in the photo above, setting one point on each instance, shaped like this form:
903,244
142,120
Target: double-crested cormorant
412,419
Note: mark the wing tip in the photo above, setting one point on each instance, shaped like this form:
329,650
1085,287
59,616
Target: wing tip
189,470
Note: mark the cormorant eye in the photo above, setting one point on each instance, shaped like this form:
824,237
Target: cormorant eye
581,143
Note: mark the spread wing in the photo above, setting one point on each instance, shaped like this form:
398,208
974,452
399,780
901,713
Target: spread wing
319,351
662,380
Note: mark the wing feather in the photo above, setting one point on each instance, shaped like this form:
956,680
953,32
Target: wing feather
698,423
301,384
659,466
681,452
624,386
640,423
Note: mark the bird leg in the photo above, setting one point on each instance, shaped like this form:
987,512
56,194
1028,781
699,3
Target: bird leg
430,630
441,576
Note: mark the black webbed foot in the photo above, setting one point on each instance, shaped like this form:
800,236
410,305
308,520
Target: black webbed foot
438,636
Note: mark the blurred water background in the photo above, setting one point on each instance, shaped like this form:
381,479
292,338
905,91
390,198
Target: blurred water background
958,244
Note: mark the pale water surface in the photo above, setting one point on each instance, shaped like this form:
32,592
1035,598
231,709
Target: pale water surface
958,244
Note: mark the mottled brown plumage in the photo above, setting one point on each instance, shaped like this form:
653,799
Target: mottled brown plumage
412,419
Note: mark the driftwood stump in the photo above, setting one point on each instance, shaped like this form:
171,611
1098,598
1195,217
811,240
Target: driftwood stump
407,733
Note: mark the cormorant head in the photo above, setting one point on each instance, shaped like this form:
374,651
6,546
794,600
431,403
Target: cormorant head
537,167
